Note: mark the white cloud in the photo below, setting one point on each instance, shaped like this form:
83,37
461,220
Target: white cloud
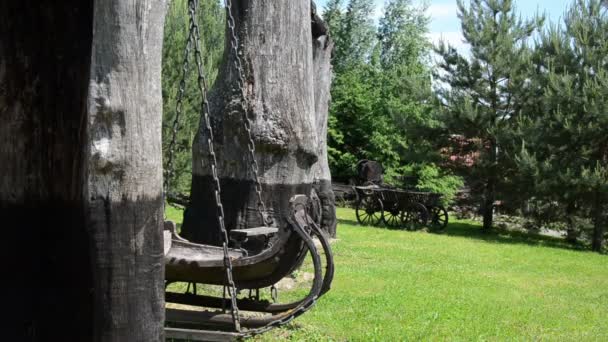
438,11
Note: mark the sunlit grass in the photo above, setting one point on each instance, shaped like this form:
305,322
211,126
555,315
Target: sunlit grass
462,285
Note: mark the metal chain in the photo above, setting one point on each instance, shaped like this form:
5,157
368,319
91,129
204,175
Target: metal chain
238,65
194,40
202,84
178,111
293,314
281,321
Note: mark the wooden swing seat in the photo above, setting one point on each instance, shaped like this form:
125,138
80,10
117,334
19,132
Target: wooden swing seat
242,235
204,264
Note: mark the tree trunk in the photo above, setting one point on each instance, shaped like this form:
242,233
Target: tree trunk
80,177
571,230
597,240
276,44
490,191
488,205
322,73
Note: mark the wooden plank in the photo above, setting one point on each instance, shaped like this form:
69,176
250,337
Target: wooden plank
213,319
258,231
200,335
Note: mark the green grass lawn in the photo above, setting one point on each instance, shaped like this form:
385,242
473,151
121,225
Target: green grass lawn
462,285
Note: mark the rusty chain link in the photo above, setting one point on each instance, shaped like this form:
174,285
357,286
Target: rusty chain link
238,65
193,40
202,85
303,307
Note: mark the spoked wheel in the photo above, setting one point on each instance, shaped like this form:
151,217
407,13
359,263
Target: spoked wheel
415,216
439,218
392,217
369,211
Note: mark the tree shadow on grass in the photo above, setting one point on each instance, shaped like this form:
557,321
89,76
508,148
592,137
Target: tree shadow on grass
475,231
349,222
359,225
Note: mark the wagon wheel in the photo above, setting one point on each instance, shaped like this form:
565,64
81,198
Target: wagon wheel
438,217
392,216
369,211
415,216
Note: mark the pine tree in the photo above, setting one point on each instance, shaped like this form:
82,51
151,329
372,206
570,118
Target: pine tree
480,96
566,145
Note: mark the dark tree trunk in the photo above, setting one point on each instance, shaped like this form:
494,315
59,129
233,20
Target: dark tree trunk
488,205
597,239
44,72
490,191
322,73
277,48
80,170
571,231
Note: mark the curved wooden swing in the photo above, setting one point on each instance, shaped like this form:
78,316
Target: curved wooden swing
252,258
195,263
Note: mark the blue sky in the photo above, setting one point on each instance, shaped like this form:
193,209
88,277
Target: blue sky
446,25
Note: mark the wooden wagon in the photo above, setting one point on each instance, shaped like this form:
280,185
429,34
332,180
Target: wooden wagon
398,208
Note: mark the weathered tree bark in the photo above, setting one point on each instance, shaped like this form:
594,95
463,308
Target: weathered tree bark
80,170
322,76
44,70
276,43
